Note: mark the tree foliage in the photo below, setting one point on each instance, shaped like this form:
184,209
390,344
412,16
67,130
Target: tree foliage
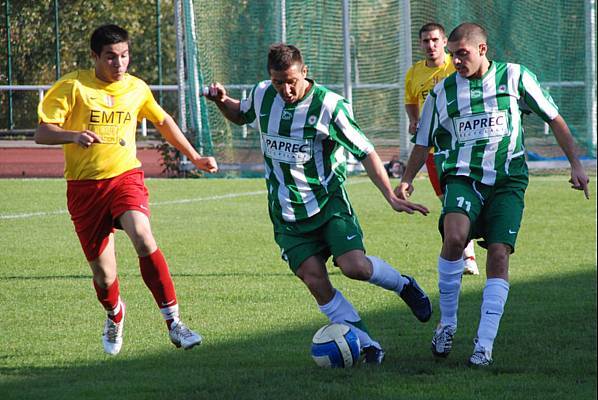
33,42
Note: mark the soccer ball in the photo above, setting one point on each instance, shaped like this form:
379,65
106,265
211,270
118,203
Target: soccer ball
335,346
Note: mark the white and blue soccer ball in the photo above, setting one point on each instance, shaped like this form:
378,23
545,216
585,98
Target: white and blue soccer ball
335,346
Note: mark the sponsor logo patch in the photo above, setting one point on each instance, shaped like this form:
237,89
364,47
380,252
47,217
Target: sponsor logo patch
108,133
287,149
492,126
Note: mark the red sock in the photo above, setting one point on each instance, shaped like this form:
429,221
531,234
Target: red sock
155,274
109,297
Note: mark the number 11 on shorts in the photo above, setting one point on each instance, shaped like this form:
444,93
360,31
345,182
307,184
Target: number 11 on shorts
461,200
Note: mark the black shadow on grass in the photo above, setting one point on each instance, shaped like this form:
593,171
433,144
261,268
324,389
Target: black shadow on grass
546,349
125,274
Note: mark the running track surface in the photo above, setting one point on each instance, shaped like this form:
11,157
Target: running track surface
48,162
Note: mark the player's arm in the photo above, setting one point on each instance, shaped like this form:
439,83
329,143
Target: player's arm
411,101
229,107
579,180
375,170
416,161
419,153
173,135
542,104
54,134
413,115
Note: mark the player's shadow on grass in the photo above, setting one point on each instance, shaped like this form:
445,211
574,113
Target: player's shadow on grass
547,339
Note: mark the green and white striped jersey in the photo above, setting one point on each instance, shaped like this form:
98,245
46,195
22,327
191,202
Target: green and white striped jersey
475,125
303,146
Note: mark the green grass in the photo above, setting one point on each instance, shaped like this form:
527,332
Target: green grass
258,320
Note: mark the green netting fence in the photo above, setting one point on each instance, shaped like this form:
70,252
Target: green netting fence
229,39
549,37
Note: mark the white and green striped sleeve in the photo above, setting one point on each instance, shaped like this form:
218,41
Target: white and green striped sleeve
538,100
251,105
427,122
345,131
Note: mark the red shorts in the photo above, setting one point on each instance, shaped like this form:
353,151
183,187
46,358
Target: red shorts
433,174
95,206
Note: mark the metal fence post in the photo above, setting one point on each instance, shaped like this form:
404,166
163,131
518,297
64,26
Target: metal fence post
405,63
10,122
57,40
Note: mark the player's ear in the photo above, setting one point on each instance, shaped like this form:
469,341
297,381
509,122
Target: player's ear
483,48
304,70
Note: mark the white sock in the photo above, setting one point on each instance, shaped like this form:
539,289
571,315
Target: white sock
494,298
339,310
386,276
469,250
170,313
449,285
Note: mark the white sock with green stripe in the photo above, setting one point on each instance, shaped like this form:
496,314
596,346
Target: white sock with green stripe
385,276
339,310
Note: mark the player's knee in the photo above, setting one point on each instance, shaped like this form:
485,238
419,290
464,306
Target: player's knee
455,242
144,244
312,279
103,279
359,268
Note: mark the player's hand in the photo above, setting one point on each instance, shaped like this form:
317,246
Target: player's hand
412,127
215,92
402,205
579,180
86,138
207,164
404,190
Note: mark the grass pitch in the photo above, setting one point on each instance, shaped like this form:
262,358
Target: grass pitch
258,320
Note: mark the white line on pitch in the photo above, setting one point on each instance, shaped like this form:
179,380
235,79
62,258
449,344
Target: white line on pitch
159,203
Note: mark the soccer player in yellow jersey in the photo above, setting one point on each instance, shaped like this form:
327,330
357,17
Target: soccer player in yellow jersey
419,81
94,114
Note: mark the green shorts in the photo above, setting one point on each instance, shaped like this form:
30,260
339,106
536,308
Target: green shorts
495,212
333,231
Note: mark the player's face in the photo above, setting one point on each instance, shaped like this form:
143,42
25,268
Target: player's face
432,44
112,63
290,84
469,59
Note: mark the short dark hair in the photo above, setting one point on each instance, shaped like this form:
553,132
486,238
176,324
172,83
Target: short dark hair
431,26
283,56
107,34
470,31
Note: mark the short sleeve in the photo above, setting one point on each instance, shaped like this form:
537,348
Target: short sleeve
150,109
345,131
410,95
57,102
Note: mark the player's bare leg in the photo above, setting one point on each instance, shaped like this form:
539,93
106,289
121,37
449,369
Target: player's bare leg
356,265
105,281
335,306
450,270
156,275
470,266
